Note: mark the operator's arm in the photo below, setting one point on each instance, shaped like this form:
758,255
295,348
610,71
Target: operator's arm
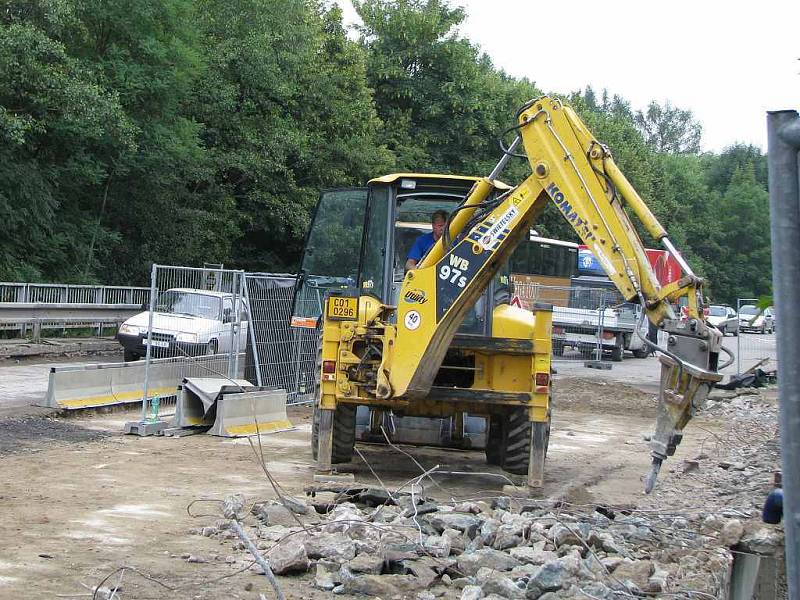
417,251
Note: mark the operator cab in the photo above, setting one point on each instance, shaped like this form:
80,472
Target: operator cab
359,240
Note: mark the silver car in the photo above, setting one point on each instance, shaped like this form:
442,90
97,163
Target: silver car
752,319
723,318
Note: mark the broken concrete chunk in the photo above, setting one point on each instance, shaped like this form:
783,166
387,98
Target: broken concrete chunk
502,586
327,575
470,562
274,514
550,577
637,571
457,541
438,546
384,586
459,521
731,532
562,535
289,557
334,546
371,564
532,556
471,592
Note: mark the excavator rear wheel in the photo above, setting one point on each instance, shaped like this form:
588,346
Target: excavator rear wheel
516,444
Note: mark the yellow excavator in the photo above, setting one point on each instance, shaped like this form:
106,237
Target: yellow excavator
441,340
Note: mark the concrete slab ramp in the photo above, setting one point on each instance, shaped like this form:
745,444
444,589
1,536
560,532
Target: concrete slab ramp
250,413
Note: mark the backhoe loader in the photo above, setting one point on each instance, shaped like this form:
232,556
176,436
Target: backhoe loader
441,340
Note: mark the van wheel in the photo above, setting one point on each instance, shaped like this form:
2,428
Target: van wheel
616,354
129,356
211,348
641,353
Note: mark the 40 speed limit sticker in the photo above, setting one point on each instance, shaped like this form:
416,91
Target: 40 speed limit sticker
412,320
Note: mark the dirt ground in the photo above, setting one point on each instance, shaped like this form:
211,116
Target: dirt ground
79,499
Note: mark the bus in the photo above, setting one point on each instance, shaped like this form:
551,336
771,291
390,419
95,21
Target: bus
542,270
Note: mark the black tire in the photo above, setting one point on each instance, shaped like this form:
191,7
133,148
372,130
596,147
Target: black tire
558,348
344,433
344,421
494,439
723,331
211,348
735,332
129,356
616,354
516,449
641,352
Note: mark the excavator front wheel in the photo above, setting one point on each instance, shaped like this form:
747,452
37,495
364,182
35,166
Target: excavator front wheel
342,422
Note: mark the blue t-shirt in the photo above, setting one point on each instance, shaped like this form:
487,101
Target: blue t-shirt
421,247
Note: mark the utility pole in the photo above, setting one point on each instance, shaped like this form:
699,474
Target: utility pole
783,130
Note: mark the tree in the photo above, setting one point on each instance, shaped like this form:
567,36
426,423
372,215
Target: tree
60,129
669,129
443,104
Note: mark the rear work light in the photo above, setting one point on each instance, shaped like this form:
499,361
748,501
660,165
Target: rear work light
542,379
329,366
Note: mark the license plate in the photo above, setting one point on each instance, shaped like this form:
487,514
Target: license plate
157,343
342,308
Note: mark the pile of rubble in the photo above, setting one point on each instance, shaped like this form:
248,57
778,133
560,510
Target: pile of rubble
404,546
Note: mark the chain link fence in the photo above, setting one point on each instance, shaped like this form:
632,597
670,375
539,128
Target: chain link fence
589,323
755,342
280,355
220,323
198,317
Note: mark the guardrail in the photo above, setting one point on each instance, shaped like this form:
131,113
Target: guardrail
62,306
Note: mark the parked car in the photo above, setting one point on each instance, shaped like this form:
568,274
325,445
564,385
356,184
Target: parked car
186,322
723,318
751,319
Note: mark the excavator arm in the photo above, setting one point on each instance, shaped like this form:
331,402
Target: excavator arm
574,171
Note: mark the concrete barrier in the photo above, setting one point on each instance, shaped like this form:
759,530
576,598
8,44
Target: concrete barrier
107,384
250,413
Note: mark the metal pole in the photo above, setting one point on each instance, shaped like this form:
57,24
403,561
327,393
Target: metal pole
738,338
783,133
251,330
149,334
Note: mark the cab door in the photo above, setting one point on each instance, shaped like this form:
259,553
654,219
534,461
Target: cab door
331,253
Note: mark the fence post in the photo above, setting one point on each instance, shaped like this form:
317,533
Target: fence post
783,144
148,350
251,330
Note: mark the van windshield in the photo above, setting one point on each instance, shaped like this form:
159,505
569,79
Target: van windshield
717,311
188,303
748,309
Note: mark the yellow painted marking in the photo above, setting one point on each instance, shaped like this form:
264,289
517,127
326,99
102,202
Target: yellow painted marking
250,429
116,398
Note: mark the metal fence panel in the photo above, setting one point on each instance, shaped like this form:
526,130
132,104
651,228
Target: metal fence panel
194,312
755,344
589,323
280,355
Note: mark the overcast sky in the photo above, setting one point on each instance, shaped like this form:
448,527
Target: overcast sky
727,61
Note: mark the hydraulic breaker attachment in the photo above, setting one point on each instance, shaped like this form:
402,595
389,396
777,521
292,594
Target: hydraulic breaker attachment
684,386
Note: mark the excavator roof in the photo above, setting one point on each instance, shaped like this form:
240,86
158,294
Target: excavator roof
392,177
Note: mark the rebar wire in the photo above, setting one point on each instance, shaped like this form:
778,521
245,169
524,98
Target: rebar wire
251,547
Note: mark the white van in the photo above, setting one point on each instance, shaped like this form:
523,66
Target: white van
187,322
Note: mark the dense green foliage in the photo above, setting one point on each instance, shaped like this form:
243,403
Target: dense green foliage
191,131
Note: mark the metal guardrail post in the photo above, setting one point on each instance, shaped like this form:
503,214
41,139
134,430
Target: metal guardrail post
783,132
149,340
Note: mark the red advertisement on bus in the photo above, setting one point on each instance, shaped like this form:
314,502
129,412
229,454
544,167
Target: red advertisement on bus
665,266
